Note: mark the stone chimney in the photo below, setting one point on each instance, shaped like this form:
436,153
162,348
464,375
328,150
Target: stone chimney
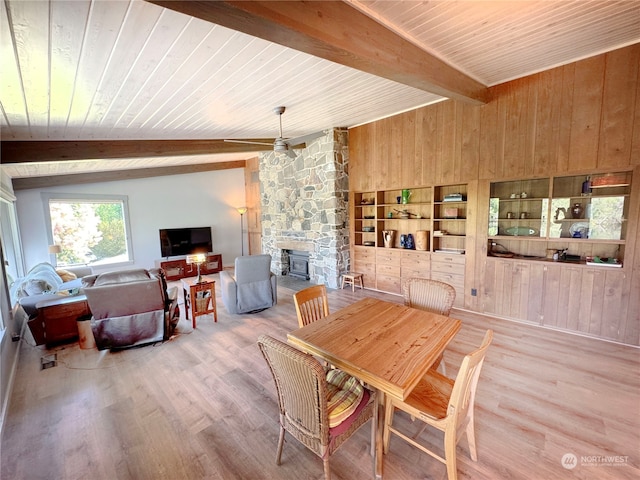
304,202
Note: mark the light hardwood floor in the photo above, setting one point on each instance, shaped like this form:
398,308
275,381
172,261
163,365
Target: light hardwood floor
203,405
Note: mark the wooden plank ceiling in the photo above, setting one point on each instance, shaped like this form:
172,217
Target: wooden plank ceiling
89,72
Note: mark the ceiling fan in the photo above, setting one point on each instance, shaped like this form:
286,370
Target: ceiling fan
282,144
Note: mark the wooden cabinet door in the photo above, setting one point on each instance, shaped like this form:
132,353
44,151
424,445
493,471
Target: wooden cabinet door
587,300
514,289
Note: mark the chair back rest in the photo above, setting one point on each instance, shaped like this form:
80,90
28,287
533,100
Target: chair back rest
301,386
252,268
311,304
125,292
464,389
430,295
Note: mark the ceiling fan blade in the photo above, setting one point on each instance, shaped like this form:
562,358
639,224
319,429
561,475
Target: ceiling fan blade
252,142
304,139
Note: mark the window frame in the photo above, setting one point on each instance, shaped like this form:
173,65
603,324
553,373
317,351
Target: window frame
90,198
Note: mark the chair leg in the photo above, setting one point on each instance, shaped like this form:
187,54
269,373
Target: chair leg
450,455
280,444
388,420
442,368
327,470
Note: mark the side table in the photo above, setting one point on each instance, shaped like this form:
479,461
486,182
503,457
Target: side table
200,298
58,318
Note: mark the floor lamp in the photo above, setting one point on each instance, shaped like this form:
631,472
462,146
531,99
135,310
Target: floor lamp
242,211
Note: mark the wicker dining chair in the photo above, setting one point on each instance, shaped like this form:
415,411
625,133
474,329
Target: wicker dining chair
433,296
301,386
444,404
311,304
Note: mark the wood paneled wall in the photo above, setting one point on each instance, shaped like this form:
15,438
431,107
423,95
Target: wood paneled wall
579,118
254,209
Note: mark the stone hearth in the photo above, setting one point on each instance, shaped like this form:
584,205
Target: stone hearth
304,203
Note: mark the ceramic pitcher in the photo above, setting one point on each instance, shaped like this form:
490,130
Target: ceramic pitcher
389,238
406,193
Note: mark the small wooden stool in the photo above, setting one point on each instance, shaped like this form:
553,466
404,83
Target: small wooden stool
350,279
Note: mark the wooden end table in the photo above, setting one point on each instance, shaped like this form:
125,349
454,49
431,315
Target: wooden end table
200,298
58,318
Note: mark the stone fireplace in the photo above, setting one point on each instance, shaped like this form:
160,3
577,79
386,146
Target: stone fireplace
304,203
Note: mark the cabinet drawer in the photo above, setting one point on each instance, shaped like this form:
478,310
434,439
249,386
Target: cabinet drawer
446,258
388,256
408,272
388,270
456,281
418,260
447,267
364,254
365,268
388,283
368,271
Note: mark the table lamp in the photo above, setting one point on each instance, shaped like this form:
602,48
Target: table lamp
197,259
55,249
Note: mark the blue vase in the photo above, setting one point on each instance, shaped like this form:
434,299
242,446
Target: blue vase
410,244
403,241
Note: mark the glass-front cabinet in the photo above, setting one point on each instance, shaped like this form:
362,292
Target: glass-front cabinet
519,208
573,218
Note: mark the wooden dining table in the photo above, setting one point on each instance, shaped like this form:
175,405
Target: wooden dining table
387,345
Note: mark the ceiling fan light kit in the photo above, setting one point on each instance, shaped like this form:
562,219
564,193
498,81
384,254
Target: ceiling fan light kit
281,144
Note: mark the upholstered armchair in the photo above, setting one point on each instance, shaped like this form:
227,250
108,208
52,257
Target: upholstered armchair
252,288
131,307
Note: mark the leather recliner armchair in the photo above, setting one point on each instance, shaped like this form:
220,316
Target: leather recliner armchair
253,288
131,307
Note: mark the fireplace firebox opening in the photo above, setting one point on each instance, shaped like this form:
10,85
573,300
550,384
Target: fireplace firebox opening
299,264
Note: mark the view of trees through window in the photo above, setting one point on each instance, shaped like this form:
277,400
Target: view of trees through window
89,232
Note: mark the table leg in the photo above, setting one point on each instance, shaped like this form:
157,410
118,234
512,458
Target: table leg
379,431
194,303
186,302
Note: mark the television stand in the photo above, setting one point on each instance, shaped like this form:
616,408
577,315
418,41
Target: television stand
179,268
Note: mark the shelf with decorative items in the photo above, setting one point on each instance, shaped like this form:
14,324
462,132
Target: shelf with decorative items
569,217
449,219
404,218
401,230
364,218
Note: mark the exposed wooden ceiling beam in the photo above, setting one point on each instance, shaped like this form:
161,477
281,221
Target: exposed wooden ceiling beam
338,32
47,151
118,175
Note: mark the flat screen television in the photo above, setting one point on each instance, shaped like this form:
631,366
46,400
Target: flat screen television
185,241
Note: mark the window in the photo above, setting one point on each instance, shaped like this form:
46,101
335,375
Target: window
10,254
90,229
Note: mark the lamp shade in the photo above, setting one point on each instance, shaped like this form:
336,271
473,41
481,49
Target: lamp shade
242,210
197,258
55,249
